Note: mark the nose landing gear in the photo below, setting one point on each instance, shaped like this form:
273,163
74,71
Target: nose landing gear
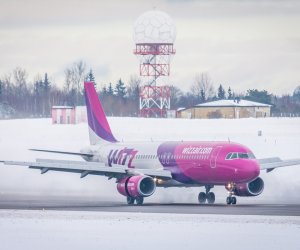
230,200
207,196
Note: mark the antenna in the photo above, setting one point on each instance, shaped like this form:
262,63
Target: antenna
154,35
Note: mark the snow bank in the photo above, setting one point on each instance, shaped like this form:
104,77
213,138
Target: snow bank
93,230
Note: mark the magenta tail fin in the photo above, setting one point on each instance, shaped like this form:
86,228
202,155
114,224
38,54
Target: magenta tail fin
99,129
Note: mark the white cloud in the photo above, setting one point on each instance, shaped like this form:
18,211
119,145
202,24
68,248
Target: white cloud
245,44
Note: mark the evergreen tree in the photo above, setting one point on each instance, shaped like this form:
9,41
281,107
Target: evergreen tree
120,89
46,83
258,96
202,96
104,90
90,77
110,90
1,89
230,95
38,96
296,94
221,92
46,95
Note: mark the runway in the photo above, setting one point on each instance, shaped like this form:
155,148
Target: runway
84,204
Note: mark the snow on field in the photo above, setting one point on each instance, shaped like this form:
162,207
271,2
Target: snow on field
93,230
280,137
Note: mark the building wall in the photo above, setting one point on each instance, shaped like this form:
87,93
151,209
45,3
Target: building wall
63,116
69,115
187,113
263,111
224,112
211,112
80,114
54,116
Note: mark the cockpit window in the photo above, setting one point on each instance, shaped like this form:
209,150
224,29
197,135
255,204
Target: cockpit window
251,156
228,156
234,156
243,156
231,156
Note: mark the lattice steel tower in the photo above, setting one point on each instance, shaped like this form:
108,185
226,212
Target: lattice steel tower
154,35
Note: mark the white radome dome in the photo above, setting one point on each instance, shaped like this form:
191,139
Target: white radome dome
154,27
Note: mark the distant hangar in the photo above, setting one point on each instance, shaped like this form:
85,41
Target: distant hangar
226,109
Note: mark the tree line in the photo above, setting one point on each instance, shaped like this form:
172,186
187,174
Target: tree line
22,98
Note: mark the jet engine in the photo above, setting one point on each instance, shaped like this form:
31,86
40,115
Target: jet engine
136,186
252,188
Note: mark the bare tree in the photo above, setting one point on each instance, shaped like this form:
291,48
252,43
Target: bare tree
20,91
133,87
176,95
74,77
68,80
203,87
78,71
20,76
6,87
133,94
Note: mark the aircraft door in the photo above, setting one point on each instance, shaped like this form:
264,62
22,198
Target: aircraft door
214,156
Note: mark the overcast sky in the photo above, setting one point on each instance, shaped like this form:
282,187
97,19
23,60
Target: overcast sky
244,44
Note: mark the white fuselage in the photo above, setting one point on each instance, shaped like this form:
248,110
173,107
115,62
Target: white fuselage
132,155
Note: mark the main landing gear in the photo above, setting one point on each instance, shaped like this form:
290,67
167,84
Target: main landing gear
207,196
139,200
230,200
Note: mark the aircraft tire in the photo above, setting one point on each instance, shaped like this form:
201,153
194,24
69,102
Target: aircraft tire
130,200
233,200
210,198
228,200
139,201
202,198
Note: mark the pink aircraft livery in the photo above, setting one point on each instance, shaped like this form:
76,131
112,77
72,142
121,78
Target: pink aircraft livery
141,167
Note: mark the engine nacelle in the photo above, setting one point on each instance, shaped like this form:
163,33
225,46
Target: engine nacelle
136,186
252,188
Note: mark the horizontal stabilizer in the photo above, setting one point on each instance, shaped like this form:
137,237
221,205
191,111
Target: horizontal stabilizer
62,152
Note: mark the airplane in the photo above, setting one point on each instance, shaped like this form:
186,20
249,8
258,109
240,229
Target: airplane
140,167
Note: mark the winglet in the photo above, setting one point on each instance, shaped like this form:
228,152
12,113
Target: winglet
99,129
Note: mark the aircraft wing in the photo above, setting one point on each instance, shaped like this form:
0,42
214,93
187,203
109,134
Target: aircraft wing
88,168
270,164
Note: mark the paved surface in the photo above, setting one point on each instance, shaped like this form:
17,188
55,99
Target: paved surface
79,204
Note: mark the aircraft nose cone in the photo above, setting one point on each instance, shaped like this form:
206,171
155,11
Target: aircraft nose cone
248,172
253,170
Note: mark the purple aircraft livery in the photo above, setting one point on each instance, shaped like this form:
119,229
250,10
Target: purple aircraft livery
141,167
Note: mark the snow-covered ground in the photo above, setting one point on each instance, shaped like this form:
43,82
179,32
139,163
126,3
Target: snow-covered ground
98,230
92,230
280,137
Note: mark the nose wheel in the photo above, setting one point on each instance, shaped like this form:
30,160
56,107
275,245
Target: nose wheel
231,199
208,196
